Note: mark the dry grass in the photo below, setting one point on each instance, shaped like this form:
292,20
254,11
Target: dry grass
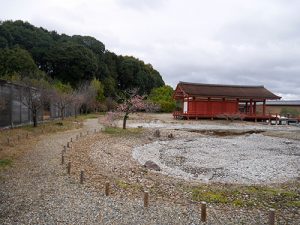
15,142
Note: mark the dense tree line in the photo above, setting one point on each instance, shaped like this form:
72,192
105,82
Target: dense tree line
29,51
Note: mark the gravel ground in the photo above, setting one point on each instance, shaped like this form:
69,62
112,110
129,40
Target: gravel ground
37,190
243,159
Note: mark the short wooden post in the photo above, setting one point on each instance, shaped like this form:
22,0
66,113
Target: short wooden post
69,168
146,199
81,176
27,135
65,149
107,188
71,140
19,137
271,217
8,141
203,212
68,144
62,158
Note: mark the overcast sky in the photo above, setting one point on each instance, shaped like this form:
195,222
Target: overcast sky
252,42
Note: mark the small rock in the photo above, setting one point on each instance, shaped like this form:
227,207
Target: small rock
156,133
151,165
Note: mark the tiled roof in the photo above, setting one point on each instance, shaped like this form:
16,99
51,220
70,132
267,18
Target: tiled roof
220,90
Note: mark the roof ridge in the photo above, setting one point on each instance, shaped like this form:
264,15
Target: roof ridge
221,85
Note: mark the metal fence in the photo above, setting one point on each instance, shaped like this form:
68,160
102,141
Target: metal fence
13,112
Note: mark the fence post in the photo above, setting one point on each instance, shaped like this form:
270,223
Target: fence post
107,188
146,199
81,176
62,157
69,168
203,212
271,217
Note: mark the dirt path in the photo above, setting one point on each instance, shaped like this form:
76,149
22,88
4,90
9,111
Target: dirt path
37,190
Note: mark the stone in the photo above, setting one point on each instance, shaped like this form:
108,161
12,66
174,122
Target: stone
152,165
156,133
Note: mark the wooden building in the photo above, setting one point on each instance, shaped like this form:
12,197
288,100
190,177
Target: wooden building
283,107
197,100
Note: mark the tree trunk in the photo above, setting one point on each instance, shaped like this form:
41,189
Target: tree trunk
34,118
124,120
75,114
62,113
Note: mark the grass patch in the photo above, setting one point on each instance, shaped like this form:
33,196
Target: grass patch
248,196
128,186
120,131
5,163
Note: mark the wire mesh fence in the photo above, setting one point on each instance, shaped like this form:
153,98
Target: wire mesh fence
14,112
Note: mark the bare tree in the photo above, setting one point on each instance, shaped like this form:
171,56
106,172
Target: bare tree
34,94
62,101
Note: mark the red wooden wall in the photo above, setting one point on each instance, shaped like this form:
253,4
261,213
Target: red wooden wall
212,107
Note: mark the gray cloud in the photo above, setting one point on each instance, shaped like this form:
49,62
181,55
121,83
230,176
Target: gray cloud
254,42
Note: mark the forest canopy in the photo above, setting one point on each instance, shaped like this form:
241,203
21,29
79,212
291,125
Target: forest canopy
30,51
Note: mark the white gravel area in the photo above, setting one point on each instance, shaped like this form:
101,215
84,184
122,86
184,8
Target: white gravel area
211,125
245,159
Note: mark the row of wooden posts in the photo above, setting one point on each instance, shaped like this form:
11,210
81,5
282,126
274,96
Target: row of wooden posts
146,193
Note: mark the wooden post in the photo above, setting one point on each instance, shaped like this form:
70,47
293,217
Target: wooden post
62,158
271,217
81,176
203,212
27,135
19,137
71,139
69,168
8,141
146,199
68,144
107,188
65,149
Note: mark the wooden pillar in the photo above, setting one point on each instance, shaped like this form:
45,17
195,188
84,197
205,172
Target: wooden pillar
254,108
209,108
251,107
246,107
223,105
237,105
264,107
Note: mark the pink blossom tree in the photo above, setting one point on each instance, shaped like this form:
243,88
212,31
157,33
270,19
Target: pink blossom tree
131,102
